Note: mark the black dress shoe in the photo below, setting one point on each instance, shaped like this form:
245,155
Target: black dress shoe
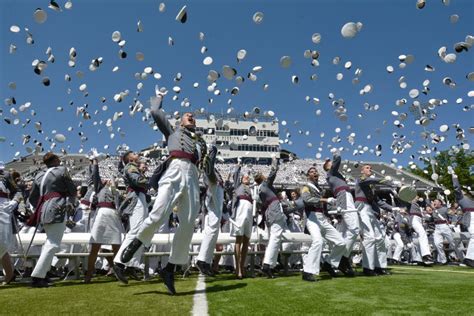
119,270
346,267
381,271
39,282
129,251
369,272
267,271
308,277
204,268
133,273
469,262
168,278
427,260
329,269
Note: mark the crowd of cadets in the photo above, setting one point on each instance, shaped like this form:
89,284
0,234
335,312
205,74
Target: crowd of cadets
187,194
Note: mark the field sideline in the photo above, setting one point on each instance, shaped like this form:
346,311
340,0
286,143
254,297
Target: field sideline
410,290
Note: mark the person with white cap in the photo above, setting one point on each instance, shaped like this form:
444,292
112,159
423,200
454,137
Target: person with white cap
242,207
10,198
374,256
134,208
178,186
275,218
467,205
53,194
319,227
214,202
443,231
344,204
107,228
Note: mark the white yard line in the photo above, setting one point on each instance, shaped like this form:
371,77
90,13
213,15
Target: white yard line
427,269
200,301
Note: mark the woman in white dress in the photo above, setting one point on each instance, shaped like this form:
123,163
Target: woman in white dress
107,228
7,206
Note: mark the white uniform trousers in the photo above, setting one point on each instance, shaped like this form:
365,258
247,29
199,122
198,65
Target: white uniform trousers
54,235
319,226
470,248
350,230
443,231
136,220
179,187
398,246
274,241
212,222
417,224
374,254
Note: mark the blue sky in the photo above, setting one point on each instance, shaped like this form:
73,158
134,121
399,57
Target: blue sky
390,28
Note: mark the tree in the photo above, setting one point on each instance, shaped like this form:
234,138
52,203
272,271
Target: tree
462,162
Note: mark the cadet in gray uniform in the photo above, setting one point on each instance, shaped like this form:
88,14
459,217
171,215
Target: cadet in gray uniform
344,204
136,210
467,206
178,186
442,230
214,202
242,207
417,224
107,228
319,226
275,218
374,257
53,193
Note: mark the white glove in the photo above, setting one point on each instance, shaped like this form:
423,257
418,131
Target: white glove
239,160
331,200
450,170
395,209
160,92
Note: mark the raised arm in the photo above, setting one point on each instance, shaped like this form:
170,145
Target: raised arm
159,116
95,175
210,171
273,172
336,162
457,188
236,176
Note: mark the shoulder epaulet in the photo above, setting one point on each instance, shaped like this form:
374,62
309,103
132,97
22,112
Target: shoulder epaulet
305,189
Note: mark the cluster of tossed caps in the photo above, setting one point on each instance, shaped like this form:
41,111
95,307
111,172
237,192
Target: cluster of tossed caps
349,30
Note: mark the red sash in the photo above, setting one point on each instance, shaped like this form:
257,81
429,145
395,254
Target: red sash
35,218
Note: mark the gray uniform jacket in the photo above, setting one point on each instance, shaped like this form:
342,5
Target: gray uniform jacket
440,215
136,182
181,139
365,193
312,198
271,203
105,194
295,206
337,183
241,190
464,202
415,209
53,210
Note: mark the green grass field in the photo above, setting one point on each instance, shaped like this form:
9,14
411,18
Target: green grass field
410,290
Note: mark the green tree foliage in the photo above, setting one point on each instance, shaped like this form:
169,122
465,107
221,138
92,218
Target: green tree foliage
462,163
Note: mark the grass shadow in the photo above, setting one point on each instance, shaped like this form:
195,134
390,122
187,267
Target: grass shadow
212,289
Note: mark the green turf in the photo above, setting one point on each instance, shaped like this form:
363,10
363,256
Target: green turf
408,291
103,297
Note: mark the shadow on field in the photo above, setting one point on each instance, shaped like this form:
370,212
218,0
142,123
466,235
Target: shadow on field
211,289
